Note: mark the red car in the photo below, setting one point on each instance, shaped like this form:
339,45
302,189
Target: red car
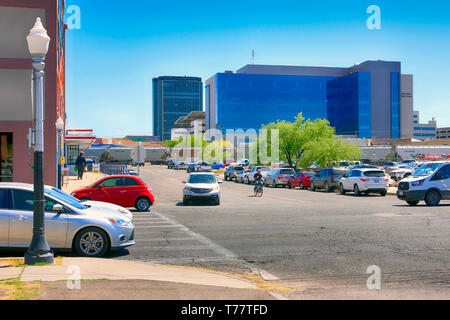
301,180
125,191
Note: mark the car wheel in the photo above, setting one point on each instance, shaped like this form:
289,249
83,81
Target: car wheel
142,204
412,203
341,189
302,187
327,187
356,190
289,185
433,198
313,187
91,242
383,193
247,181
217,201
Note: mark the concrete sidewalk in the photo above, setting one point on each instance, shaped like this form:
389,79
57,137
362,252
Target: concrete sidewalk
132,280
88,179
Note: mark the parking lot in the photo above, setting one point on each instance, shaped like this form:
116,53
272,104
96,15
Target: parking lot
298,238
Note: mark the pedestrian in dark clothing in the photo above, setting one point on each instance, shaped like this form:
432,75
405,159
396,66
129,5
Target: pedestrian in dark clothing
81,165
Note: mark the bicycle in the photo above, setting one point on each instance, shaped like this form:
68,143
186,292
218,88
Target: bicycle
258,191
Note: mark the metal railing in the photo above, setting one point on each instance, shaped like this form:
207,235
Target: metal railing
113,168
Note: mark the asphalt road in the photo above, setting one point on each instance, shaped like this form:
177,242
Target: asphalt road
320,244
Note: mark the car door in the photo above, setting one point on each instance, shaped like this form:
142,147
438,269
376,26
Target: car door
5,208
131,192
441,180
21,221
112,191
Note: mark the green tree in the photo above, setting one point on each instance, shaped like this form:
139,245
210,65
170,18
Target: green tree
305,142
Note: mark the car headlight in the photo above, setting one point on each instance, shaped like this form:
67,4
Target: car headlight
418,183
120,222
215,189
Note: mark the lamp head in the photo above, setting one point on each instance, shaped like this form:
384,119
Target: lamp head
59,124
38,39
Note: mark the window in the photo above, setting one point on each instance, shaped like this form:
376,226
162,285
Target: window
72,154
23,200
129,182
374,174
4,199
6,157
112,182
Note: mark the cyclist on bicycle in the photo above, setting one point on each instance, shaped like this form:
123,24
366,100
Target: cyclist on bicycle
258,178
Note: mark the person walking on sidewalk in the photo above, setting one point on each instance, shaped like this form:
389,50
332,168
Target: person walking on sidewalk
80,164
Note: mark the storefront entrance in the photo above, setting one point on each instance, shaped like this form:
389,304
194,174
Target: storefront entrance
6,157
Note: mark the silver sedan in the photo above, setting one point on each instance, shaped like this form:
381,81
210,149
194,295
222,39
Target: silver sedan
91,228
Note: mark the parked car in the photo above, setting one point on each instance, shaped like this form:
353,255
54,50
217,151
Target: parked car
217,166
327,179
396,167
91,228
388,164
240,175
122,190
180,165
365,181
191,167
201,186
243,163
402,173
301,180
278,177
430,183
250,176
231,171
203,166
132,172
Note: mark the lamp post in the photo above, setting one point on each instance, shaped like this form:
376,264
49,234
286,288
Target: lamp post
60,127
38,42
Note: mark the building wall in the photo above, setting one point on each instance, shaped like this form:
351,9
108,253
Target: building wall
423,131
407,106
174,97
443,133
17,17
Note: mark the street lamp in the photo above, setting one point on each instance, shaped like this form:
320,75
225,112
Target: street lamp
60,127
39,250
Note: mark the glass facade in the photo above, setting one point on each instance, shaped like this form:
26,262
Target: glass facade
247,101
349,104
174,97
395,105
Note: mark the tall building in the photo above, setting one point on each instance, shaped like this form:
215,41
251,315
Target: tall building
174,97
443,133
423,131
363,101
17,17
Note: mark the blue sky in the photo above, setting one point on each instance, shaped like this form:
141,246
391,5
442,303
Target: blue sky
122,45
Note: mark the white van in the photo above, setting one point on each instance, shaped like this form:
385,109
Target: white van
429,183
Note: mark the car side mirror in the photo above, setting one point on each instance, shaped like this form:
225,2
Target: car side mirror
184,182
220,181
57,208
100,186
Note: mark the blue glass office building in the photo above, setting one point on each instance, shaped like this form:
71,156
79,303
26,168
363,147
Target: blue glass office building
361,101
174,97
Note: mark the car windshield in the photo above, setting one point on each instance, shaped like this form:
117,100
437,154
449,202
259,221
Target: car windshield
426,169
64,197
374,174
202,178
287,171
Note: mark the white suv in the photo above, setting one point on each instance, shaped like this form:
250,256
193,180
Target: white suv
202,186
365,181
430,183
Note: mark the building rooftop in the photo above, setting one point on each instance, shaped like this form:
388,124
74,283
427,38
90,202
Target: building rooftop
184,122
